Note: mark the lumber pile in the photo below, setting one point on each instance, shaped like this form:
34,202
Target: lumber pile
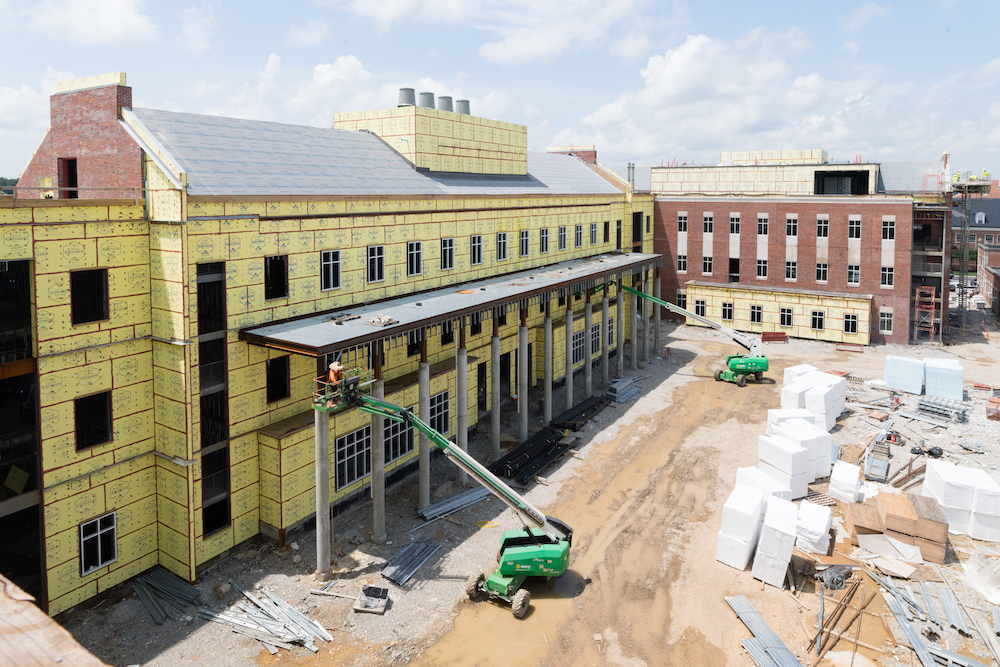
912,519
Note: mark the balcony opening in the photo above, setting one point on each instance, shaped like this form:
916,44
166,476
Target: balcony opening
734,270
68,178
840,183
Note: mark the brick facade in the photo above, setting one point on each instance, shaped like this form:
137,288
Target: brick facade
84,126
871,210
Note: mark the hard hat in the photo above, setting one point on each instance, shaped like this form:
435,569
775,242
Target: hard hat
336,366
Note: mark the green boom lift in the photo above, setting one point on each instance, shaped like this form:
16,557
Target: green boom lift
539,549
738,366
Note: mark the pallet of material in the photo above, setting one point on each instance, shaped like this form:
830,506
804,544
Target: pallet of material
862,520
897,513
931,522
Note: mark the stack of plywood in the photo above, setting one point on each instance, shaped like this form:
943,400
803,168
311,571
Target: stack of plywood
862,520
921,523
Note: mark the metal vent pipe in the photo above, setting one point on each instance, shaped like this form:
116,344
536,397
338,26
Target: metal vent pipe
426,100
407,98
462,107
444,103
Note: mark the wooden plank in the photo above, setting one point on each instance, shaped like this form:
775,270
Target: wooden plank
862,520
931,522
897,513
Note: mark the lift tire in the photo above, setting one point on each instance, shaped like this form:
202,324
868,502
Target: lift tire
718,376
758,376
741,380
519,605
474,586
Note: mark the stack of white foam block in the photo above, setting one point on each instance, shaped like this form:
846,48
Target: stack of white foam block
777,538
821,394
813,528
756,478
775,417
845,482
970,499
904,373
786,462
741,518
943,378
817,441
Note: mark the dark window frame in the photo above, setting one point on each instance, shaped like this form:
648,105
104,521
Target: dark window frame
275,277
278,373
329,262
92,419
100,543
86,303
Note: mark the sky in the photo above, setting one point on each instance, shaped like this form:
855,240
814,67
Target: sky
645,81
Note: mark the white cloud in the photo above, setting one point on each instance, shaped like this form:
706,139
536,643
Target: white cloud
852,47
857,19
529,111
308,34
336,87
633,45
254,100
388,12
91,22
197,27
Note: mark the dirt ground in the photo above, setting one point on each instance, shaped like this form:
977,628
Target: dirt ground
643,492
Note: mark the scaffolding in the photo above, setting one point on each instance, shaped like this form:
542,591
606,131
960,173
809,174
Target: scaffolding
924,310
967,186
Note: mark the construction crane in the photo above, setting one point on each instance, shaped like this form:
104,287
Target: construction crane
738,366
539,549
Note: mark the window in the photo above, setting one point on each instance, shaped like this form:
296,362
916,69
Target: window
501,246
786,317
854,227
88,295
821,272
278,379
699,307
762,268
329,270
477,250
682,263
611,331
447,333
887,276
853,274
727,312
398,439
708,223
885,322
98,544
578,345
888,228
92,415
734,224
682,222
414,258
593,233
850,324
562,238
440,416
958,238
578,238
276,277
68,178
988,238
756,314
543,241
706,264
595,339
792,226
822,226
647,224
412,343
215,488
607,232
376,263
525,240
477,324
682,299
791,270
972,238
817,320
447,254
761,226
354,458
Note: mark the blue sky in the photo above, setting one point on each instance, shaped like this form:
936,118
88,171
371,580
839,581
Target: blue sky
645,81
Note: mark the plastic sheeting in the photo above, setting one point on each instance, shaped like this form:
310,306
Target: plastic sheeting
904,373
943,378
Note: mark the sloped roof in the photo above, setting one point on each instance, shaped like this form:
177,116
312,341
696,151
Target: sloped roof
229,156
907,177
991,207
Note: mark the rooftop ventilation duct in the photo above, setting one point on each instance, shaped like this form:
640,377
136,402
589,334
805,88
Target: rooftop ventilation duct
444,103
462,107
426,100
407,98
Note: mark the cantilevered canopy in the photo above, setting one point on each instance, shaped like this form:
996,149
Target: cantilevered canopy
389,320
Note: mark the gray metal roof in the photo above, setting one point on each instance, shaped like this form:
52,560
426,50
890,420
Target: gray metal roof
320,335
229,156
910,176
991,207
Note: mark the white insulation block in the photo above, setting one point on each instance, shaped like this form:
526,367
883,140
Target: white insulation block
904,373
769,569
775,417
785,455
793,396
813,528
735,552
777,535
845,482
799,484
982,527
792,373
742,512
949,485
767,485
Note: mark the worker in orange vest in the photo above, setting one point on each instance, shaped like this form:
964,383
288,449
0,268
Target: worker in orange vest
336,375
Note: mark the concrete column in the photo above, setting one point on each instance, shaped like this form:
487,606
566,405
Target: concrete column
620,330
634,330
378,469
588,369
657,314
647,309
495,395
605,371
462,388
569,352
547,408
324,525
522,383
424,455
